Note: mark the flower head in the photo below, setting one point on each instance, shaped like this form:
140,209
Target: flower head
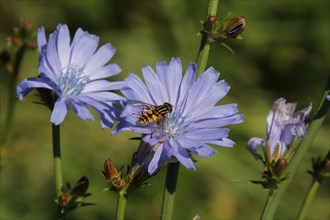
75,72
283,125
177,114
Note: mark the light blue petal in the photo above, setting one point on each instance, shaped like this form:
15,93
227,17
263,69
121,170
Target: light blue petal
103,96
197,147
103,85
217,112
63,45
182,155
185,86
208,134
81,110
51,57
59,112
189,142
106,71
77,36
155,87
46,69
219,122
171,78
253,145
216,92
99,59
42,41
201,90
136,90
29,84
203,151
153,165
278,114
83,50
223,89
224,142
52,84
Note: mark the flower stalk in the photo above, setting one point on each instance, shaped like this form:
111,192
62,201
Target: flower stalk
121,204
321,169
275,198
169,190
11,89
57,159
205,46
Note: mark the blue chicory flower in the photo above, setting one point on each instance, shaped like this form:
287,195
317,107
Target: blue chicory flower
194,120
328,97
75,73
283,125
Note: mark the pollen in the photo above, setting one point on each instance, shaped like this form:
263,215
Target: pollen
73,80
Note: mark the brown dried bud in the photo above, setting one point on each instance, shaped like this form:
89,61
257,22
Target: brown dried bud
27,25
110,171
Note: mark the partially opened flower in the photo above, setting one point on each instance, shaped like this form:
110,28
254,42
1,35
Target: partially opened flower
177,114
75,73
283,125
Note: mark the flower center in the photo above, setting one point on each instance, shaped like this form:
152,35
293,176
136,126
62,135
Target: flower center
73,80
176,125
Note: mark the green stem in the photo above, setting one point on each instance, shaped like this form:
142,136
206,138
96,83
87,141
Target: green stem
205,46
11,89
121,204
309,199
57,159
169,190
313,129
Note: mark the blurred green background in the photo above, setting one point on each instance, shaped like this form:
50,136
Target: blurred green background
285,53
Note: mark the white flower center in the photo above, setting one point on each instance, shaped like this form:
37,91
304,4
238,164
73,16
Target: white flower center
73,80
176,125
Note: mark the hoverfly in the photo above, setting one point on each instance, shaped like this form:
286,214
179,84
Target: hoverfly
153,113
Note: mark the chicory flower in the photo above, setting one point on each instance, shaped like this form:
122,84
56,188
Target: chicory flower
75,73
282,126
187,121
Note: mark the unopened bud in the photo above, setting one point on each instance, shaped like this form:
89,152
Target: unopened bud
233,27
27,25
80,188
110,171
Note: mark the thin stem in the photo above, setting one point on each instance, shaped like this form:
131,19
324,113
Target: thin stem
313,129
169,190
121,204
205,46
11,89
309,199
57,159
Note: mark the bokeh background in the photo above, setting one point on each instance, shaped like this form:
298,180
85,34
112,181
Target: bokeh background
285,53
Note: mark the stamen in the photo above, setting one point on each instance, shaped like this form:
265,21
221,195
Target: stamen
176,125
73,80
